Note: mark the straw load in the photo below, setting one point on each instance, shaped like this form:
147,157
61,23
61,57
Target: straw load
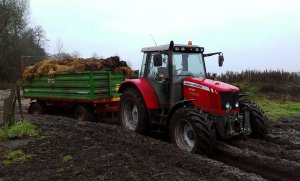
50,67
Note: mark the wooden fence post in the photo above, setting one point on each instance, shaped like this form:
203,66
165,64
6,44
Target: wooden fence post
10,105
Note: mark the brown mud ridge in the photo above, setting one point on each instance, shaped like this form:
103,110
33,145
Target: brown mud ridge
109,152
276,158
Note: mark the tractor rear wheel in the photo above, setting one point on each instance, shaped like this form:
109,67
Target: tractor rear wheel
258,119
132,112
193,131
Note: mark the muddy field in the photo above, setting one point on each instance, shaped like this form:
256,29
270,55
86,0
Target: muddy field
108,152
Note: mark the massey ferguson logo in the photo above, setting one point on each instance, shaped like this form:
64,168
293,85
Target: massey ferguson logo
191,84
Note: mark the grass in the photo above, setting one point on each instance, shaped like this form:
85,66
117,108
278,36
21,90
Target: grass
17,156
273,106
67,158
275,109
18,130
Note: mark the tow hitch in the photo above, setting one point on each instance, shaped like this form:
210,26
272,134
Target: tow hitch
237,124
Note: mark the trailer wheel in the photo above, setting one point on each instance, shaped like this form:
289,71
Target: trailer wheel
258,119
83,114
37,108
132,112
193,131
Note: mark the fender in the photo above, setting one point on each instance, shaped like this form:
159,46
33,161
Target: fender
145,90
177,106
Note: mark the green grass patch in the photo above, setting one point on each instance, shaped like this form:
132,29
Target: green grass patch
18,130
281,108
271,104
17,156
67,158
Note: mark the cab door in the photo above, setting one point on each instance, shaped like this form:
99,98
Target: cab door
158,77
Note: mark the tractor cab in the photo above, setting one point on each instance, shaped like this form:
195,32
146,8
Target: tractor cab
166,67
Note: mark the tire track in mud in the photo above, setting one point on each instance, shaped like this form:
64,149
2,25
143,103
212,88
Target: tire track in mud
251,161
276,158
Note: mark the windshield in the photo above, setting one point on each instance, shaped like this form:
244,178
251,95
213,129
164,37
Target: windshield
188,64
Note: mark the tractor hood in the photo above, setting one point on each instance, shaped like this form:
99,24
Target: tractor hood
208,84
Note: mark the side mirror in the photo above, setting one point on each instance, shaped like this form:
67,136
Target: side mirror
157,60
221,59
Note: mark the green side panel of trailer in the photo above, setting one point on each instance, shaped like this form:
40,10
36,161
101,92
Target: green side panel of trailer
86,86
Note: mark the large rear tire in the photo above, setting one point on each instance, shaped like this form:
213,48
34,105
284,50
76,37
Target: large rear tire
192,131
132,112
258,119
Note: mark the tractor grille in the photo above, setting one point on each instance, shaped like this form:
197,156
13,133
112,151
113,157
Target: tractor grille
231,97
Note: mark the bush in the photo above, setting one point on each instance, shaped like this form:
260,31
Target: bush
254,77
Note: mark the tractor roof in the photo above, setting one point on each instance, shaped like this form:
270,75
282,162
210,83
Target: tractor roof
176,46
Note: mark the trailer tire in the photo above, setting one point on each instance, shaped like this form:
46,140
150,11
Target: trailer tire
192,131
133,112
258,120
37,108
83,114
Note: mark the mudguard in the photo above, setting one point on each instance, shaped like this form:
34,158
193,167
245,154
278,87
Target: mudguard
177,106
145,89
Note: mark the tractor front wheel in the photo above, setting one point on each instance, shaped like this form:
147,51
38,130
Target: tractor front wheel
132,111
258,119
192,131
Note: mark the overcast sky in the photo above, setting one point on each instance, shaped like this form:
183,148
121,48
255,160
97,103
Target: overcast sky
256,34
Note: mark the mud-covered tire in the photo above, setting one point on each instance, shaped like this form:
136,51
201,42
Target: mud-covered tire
84,114
258,120
37,108
203,130
133,114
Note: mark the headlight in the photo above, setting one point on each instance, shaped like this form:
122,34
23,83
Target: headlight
237,105
227,105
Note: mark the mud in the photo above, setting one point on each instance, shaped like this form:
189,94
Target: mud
14,144
276,158
109,152
102,151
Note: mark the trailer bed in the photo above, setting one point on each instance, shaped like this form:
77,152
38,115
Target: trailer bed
90,86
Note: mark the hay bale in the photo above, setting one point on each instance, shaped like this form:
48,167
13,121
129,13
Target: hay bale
50,67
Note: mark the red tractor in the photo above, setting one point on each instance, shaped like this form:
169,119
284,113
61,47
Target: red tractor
174,94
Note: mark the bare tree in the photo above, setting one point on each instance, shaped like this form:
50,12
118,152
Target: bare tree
75,54
59,48
16,37
40,36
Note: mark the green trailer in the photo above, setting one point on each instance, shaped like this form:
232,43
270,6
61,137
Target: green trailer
89,93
